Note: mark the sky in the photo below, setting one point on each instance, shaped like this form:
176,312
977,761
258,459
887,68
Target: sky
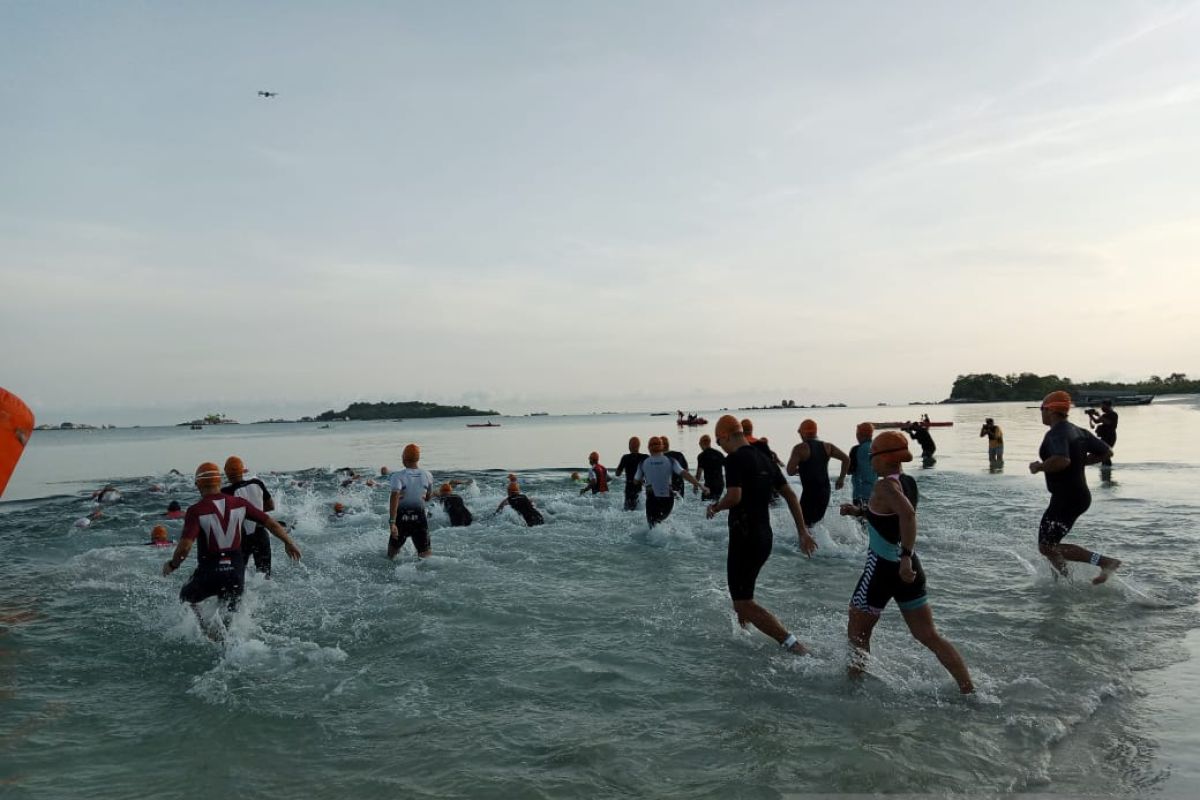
574,207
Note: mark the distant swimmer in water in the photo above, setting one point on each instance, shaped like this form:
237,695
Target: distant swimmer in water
862,474
893,569
656,473
920,432
522,505
383,472
454,506
339,510
760,442
710,470
680,459
256,543
215,524
1066,450
173,510
412,487
1105,423
597,482
108,494
810,460
575,477
628,466
995,437
751,478
159,537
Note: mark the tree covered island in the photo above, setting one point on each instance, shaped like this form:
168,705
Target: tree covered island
987,387
409,409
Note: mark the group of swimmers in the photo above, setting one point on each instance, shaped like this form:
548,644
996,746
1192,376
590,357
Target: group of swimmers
230,524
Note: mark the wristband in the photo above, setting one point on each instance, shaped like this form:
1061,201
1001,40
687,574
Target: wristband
391,520
175,563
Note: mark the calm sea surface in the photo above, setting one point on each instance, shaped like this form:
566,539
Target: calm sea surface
592,657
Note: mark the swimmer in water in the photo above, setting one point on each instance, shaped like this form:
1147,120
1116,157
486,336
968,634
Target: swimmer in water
657,473
256,543
597,476
174,511
760,442
862,475
460,516
215,524
412,487
1066,450
628,466
710,470
339,510
680,459
810,460
751,478
522,505
893,569
159,537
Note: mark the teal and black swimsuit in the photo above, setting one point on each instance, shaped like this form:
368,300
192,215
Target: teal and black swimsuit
880,580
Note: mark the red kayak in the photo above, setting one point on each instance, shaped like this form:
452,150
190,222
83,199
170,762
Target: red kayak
885,425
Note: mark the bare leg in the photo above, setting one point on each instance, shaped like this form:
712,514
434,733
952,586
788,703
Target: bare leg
1062,553
1053,554
750,612
212,634
920,624
858,631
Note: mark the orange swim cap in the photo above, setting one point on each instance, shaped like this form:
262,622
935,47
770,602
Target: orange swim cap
634,443
512,477
892,447
864,429
338,508
665,442
808,428
159,534
747,427
705,440
593,456
514,488
410,453
1059,402
234,468
208,478
728,425
655,445
445,488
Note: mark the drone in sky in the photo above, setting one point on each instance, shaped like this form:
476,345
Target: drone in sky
268,95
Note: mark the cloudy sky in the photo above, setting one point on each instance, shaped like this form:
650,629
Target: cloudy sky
574,207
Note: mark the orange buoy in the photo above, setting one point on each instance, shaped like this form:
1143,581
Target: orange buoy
16,426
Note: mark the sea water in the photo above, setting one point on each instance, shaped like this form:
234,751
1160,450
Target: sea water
591,656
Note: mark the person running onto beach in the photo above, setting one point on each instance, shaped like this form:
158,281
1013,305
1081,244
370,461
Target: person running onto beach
920,432
750,479
862,474
680,459
657,472
460,516
256,542
411,489
893,569
995,437
760,442
710,470
597,476
628,466
1105,423
810,460
1066,450
522,505
215,524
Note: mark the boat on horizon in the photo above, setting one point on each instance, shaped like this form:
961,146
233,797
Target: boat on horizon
1116,399
483,424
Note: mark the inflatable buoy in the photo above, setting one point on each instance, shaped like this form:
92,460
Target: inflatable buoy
16,426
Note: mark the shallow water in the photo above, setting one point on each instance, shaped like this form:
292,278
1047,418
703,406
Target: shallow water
590,656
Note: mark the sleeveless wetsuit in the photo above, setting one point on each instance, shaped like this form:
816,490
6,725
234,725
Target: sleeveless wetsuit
862,474
456,510
880,580
524,506
814,482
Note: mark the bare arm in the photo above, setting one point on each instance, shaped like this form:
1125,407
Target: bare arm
807,543
834,452
178,557
687,476
793,464
279,532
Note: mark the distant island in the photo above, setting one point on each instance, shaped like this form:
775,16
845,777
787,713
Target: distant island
987,387
209,419
410,409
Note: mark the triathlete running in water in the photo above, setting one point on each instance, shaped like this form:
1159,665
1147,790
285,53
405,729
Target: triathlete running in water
411,489
710,470
658,472
680,459
628,467
1066,450
751,479
215,524
893,569
597,482
256,542
810,460
456,509
522,505
1105,423
862,475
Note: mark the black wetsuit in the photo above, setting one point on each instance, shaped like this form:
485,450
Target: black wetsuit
750,537
814,482
711,465
677,481
256,543
1069,493
524,506
921,434
1106,431
628,466
456,510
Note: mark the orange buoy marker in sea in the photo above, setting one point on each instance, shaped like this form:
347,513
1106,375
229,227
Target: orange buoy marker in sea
16,426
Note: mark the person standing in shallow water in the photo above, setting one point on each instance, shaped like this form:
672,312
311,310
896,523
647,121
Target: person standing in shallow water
1065,453
628,467
680,459
658,472
893,569
810,460
597,482
710,470
412,488
256,543
862,475
751,478
1105,423
995,437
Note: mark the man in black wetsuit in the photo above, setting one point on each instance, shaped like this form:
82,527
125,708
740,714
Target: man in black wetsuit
628,466
1105,423
680,459
710,470
750,478
920,432
256,542
460,516
522,505
810,460
1065,452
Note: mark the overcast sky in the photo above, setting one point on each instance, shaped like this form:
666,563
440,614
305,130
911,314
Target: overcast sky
574,207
